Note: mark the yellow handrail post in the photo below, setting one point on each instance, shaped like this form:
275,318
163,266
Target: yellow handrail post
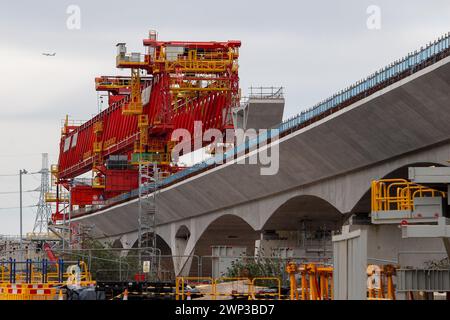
304,284
292,270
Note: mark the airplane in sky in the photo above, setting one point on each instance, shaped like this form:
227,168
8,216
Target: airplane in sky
49,54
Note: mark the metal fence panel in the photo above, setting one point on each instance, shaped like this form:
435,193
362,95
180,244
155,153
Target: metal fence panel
427,280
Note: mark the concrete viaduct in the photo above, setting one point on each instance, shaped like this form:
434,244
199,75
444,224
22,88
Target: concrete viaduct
324,174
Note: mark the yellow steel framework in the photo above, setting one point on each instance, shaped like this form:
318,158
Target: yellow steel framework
316,281
70,125
98,181
143,124
146,158
134,107
398,194
54,174
192,73
37,277
196,61
127,61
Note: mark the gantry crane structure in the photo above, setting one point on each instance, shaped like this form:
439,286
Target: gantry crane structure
172,85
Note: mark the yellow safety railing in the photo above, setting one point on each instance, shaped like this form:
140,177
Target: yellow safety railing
132,61
148,158
37,277
4,275
113,83
398,194
316,281
51,197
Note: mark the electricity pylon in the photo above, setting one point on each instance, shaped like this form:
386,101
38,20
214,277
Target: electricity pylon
44,210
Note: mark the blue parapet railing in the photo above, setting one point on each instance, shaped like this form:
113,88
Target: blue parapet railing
409,64
390,74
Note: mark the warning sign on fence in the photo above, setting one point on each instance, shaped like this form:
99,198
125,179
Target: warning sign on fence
146,266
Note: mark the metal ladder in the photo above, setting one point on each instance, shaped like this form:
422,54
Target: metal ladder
148,182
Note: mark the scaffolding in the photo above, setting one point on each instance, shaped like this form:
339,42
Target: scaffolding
148,189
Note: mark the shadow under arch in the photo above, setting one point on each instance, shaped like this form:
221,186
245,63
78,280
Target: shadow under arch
300,208
229,232
183,233
117,244
363,206
301,228
182,237
166,269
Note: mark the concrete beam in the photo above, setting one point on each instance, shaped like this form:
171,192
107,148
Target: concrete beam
333,159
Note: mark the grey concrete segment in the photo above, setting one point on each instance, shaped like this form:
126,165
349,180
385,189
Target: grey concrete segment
333,159
264,113
259,113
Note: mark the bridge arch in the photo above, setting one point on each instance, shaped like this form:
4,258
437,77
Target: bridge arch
298,208
228,230
300,227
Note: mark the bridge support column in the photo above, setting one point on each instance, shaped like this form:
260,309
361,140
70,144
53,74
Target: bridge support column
182,261
128,241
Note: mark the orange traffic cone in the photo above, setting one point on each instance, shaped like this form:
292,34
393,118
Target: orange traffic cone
125,294
60,295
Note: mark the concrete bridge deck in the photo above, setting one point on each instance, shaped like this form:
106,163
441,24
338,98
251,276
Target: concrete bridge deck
325,171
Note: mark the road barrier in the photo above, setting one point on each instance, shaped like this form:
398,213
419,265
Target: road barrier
33,292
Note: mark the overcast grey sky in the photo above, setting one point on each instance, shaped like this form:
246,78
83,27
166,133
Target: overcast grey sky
312,48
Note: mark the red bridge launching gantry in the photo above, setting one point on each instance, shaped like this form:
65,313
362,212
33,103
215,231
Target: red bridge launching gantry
170,86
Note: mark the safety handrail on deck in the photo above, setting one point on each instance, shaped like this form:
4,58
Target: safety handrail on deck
398,194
